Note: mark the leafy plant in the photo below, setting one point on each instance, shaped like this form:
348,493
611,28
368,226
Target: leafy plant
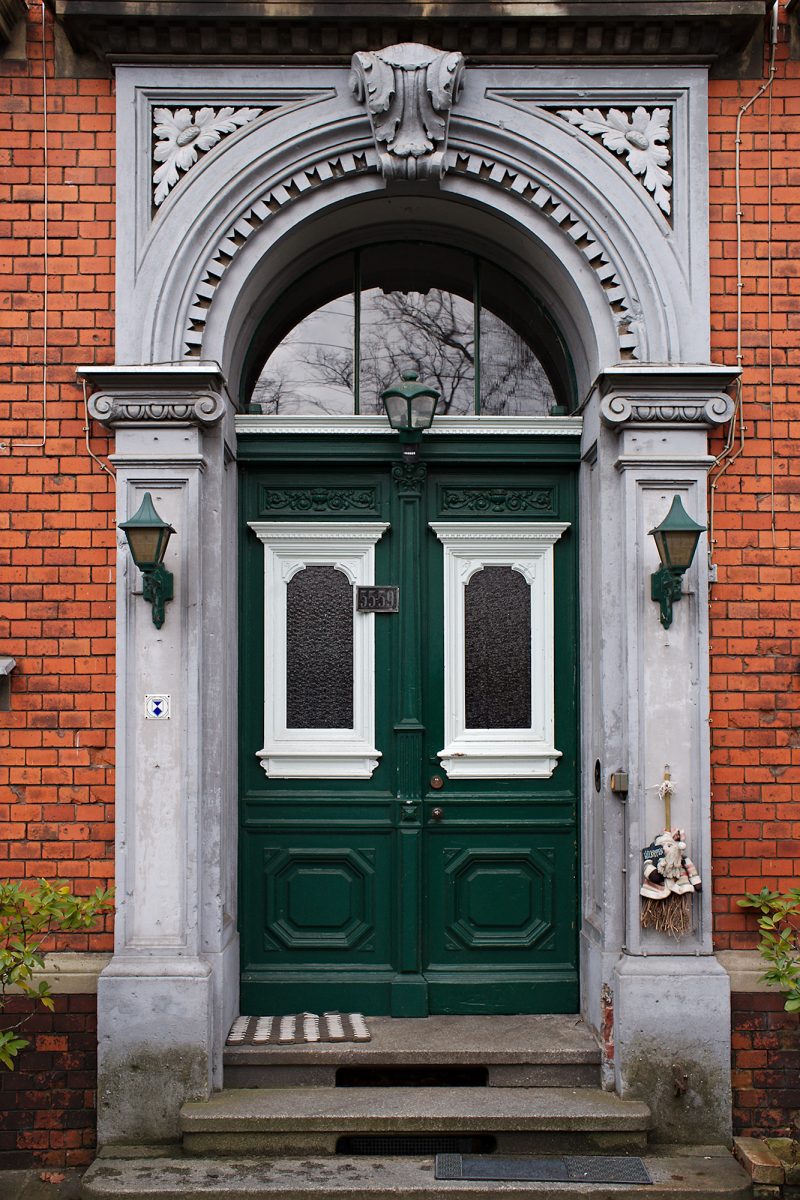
779,922
28,915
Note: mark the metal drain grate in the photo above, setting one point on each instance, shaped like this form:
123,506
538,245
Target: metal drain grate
411,1145
584,1169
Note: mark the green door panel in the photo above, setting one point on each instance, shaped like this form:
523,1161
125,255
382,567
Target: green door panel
320,905
354,893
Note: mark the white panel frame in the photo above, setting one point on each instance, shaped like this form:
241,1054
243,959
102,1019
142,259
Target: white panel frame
289,546
526,547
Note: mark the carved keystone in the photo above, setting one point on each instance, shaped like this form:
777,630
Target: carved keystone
408,91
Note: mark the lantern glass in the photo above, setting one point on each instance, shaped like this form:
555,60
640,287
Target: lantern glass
397,411
676,538
421,413
676,549
147,534
147,545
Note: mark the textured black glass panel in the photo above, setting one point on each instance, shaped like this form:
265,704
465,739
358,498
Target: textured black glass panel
319,650
497,651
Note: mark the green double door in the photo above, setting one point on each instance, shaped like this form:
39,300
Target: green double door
408,836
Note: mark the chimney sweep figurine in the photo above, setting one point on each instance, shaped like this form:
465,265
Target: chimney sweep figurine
670,876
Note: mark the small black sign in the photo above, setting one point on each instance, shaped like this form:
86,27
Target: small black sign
652,853
375,599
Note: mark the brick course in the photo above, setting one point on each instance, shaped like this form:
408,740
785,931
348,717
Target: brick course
56,505
47,1104
755,647
765,1046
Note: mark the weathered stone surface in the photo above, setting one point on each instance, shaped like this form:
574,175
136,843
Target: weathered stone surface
715,1176
787,1151
396,1110
445,1041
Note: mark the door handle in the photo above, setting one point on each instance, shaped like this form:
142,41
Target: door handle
437,814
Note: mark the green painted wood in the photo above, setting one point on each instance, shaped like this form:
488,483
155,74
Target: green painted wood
351,894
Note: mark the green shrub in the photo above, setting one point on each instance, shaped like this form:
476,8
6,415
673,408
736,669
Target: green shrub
779,922
28,915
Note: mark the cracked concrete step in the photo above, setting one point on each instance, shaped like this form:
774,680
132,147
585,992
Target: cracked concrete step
516,1051
290,1121
693,1173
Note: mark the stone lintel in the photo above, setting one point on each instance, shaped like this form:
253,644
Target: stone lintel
172,394
674,396
746,970
69,973
726,35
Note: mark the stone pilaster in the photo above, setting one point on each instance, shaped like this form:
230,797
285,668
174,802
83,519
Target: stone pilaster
646,708
170,987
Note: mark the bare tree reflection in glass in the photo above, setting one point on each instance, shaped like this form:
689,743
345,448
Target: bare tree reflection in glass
435,331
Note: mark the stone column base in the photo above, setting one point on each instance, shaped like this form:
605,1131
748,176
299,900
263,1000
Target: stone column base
672,1034
154,1046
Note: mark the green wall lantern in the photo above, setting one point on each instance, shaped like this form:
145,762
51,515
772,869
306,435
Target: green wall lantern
676,539
148,535
410,407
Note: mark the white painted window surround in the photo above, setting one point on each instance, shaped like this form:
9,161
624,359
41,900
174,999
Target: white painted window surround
526,547
317,753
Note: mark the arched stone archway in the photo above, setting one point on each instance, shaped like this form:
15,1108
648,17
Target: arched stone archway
511,155
528,176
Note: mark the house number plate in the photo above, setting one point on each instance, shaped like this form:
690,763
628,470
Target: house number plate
375,599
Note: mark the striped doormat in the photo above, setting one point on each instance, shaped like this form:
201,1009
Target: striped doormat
298,1028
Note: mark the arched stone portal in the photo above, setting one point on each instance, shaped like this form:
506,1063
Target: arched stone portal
540,173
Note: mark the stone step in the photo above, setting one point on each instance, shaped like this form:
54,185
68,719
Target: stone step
289,1121
527,1051
693,1173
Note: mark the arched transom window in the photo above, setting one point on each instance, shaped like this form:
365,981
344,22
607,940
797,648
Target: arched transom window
350,326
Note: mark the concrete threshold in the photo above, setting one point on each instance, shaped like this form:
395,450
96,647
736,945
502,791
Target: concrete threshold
445,1041
712,1174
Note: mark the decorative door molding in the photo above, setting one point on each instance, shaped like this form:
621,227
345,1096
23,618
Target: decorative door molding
305,752
525,547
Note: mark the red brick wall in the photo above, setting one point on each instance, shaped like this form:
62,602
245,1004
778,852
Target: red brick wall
765,1045
56,505
47,1105
755,636
56,540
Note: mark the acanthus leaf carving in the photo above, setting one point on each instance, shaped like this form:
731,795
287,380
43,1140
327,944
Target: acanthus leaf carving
638,136
409,90
318,499
180,137
409,478
498,500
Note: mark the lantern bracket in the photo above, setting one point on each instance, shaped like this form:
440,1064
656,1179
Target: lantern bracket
666,588
157,587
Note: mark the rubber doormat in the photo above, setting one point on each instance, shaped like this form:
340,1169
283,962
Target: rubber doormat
583,1169
297,1029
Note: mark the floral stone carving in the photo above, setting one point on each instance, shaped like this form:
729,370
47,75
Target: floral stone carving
639,136
408,91
180,137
